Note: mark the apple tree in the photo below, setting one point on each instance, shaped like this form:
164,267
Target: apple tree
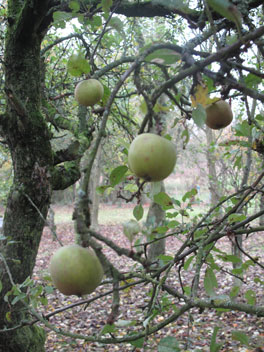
158,73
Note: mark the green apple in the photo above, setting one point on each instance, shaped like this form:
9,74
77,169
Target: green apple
75,270
89,92
218,115
151,157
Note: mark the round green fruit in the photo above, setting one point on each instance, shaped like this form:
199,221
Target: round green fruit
218,115
131,228
75,270
151,157
89,92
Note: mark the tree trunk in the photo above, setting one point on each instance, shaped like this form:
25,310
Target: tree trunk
212,174
27,136
261,201
94,182
246,171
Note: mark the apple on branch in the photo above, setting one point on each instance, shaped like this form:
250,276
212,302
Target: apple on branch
151,157
75,270
218,115
89,92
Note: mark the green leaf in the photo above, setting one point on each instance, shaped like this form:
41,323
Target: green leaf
19,297
199,115
108,328
138,212
101,189
241,337
8,316
234,292
250,296
138,343
199,233
164,200
189,194
77,65
172,224
118,174
236,217
60,18
187,290
226,9
210,282
95,22
117,24
48,290
131,187
259,117
165,258
74,6
230,258
1,286
257,280
252,80
44,301
161,229
163,57
215,347
168,344
188,262
185,136
243,129
106,95
106,5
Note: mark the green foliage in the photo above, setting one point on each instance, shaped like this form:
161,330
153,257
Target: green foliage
214,346
138,212
241,337
199,115
210,282
164,200
77,65
168,344
163,56
117,175
243,129
60,18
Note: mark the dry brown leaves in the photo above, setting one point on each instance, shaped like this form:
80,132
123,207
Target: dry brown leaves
194,328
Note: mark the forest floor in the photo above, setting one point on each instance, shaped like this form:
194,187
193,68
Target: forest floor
193,330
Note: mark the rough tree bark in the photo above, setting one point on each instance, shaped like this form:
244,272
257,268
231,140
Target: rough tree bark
28,138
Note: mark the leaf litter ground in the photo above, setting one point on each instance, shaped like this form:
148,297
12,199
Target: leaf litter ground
193,330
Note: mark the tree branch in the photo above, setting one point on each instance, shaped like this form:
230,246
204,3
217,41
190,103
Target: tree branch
65,175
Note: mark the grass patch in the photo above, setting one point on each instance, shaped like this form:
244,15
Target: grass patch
108,215
112,215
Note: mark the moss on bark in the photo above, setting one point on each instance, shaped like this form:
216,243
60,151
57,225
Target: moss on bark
26,339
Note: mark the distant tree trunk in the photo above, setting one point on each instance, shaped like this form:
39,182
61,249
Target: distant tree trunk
261,201
214,188
236,245
261,207
155,217
94,182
